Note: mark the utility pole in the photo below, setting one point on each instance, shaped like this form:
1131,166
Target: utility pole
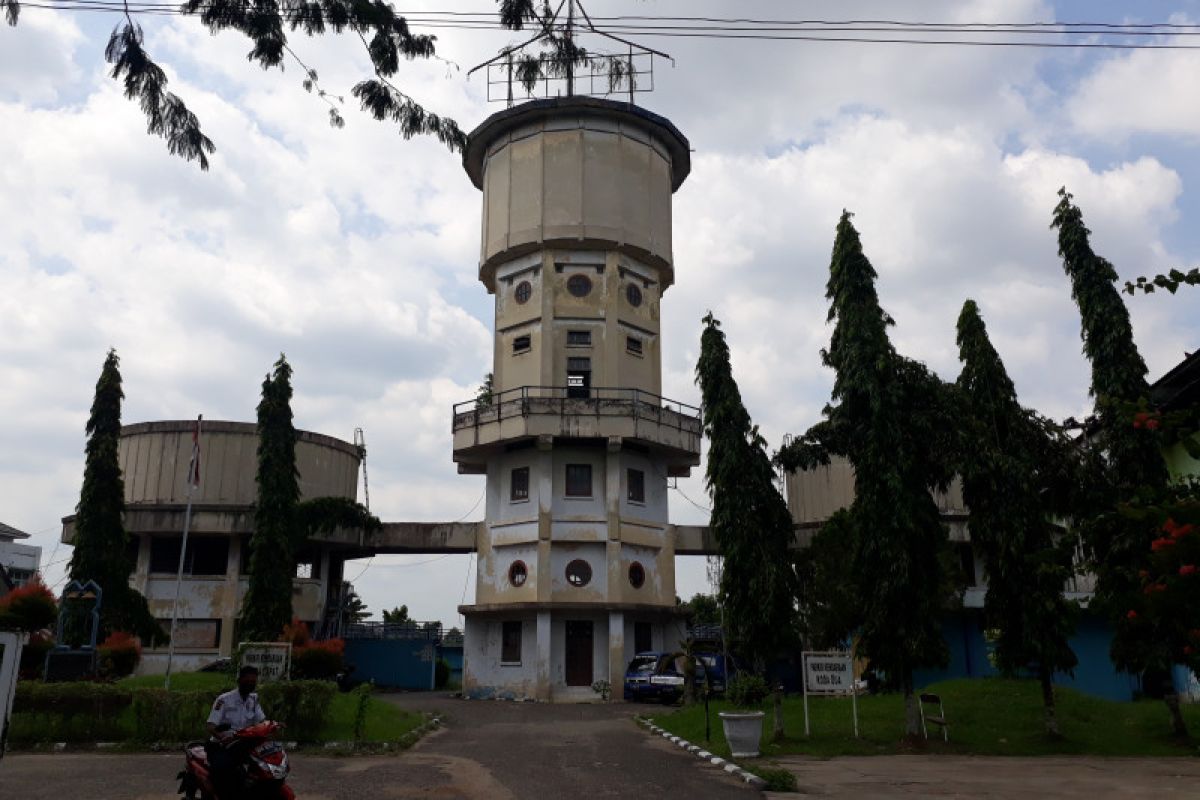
570,48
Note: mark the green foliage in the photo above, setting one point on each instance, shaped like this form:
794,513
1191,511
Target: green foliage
397,616
1169,605
354,609
441,673
267,607
602,688
828,605
750,520
1171,281
362,705
1017,472
485,394
301,705
703,609
325,515
67,712
893,420
746,690
166,115
988,716
1132,466
169,716
778,779
101,544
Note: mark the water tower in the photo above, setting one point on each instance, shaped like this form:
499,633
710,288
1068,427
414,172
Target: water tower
576,555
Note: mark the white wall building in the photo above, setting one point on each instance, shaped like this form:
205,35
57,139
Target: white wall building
20,561
576,554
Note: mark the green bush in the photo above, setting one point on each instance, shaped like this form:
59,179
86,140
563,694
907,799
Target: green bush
119,654
163,716
778,780
33,655
318,660
441,673
68,712
301,705
747,691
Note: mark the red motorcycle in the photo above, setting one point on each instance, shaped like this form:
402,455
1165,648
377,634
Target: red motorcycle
264,769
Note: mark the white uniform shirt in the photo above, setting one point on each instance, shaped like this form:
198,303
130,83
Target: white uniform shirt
232,710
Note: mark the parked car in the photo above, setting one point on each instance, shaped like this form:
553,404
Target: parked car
638,674
659,676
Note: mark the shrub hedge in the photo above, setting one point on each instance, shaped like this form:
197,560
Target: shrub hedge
90,712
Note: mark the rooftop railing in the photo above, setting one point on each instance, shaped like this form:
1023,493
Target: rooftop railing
566,401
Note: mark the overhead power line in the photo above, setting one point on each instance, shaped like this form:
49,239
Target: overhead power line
1086,35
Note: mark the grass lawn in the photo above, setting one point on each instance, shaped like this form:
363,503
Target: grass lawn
988,716
214,682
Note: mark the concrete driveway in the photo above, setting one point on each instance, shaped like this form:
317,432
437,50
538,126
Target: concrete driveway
486,749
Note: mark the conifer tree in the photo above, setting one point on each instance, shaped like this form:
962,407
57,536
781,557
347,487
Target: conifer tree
894,421
750,519
1133,466
267,607
101,544
1015,477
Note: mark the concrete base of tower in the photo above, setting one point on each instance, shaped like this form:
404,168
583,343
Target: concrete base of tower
559,655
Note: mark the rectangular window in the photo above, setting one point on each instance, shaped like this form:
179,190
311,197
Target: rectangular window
206,555
518,487
308,564
579,338
194,634
633,345
579,480
522,343
642,640
636,480
510,644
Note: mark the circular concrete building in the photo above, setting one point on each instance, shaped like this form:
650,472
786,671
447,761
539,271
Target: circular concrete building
576,554
154,458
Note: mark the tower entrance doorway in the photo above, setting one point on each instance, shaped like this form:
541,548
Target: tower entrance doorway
578,660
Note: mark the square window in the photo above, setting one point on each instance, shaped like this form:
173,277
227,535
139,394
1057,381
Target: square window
633,345
579,480
579,338
522,343
518,486
636,482
510,643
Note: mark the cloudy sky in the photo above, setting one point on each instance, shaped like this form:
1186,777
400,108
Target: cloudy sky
355,252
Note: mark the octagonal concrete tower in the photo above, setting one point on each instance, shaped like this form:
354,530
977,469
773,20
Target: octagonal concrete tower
576,555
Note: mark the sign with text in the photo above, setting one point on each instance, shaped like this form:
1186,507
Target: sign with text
272,659
828,673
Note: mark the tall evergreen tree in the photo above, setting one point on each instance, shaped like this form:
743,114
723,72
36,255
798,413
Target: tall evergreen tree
1134,469
268,603
890,421
101,544
1015,479
750,519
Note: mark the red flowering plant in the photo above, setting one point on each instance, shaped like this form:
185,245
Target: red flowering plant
313,659
119,654
1170,600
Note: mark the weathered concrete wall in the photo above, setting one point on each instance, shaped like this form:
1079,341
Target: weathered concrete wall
814,495
484,676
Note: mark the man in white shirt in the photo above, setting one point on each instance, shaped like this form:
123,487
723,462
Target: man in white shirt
231,712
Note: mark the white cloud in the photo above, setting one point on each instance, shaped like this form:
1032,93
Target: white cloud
356,252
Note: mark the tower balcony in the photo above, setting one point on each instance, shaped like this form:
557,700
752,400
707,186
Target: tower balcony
530,412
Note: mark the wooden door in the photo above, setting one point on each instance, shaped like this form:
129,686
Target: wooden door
579,653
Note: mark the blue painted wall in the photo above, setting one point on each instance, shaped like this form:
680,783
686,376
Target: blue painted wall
394,663
1095,674
454,657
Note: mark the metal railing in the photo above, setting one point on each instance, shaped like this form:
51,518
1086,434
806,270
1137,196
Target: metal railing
562,401
431,631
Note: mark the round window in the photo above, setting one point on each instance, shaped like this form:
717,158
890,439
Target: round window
634,295
523,292
517,573
579,285
637,575
579,573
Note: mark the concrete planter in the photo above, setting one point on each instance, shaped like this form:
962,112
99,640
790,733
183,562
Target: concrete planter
743,731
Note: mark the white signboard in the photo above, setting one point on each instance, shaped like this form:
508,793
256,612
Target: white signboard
828,673
10,658
272,659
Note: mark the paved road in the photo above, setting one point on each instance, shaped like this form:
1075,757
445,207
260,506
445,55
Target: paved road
942,776
485,750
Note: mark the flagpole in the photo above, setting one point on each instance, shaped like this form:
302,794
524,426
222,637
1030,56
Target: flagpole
193,480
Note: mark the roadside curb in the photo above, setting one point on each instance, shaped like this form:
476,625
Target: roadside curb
338,748
716,761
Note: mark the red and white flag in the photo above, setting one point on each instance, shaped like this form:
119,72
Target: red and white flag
194,467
